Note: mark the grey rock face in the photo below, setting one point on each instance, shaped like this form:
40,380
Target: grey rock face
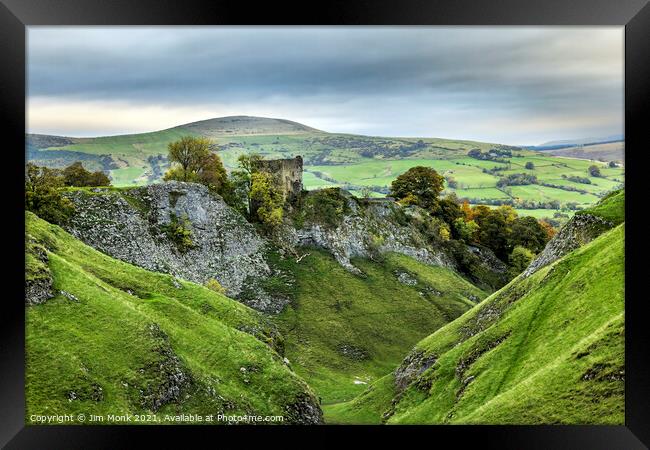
406,278
580,230
38,291
38,283
412,366
132,226
368,231
173,375
487,257
304,411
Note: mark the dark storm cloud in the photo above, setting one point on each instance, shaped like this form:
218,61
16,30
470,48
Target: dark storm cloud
387,80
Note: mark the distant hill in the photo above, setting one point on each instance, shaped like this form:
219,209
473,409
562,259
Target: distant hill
245,126
608,151
605,148
583,141
136,159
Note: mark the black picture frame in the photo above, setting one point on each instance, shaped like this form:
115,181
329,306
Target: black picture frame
15,15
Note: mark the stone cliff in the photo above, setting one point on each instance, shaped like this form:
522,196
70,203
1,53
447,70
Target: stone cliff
186,231
137,225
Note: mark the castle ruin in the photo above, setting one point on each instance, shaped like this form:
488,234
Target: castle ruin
289,174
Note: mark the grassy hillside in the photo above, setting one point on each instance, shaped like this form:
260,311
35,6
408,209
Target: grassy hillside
344,331
611,207
546,349
118,339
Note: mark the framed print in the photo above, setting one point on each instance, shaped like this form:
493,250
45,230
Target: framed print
369,219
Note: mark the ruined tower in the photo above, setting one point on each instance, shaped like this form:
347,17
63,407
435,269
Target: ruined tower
288,173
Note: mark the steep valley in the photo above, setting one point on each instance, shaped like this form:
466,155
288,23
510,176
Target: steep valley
546,348
365,320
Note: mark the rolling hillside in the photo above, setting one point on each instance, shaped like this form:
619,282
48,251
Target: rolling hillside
344,331
544,349
351,161
118,339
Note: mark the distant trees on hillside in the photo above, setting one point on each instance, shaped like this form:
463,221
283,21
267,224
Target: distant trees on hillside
517,179
594,171
43,187
577,179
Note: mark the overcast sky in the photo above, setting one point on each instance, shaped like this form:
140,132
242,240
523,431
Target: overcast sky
512,85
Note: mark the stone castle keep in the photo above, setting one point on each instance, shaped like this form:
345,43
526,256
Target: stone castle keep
289,172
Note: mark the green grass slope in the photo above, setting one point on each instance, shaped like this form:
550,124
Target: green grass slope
545,349
344,331
611,207
121,339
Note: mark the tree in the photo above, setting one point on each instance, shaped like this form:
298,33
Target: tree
194,162
530,165
548,227
99,178
519,259
448,210
612,164
529,233
76,175
594,171
212,173
493,232
423,183
467,210
465,230
241,182
508,213
250,163
366,192
266,199
188,152
43,194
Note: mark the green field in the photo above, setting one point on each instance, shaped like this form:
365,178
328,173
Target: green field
129,176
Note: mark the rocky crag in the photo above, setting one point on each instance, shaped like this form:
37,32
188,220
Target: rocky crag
372,227
176,228
580,230
184,230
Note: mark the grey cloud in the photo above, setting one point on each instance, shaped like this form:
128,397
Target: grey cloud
528,71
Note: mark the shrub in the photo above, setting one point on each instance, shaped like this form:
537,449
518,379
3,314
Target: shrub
519,259
43,194
465,230
517,179
215,286
326,207
179,232
266,199
594,171
192,161
76,175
